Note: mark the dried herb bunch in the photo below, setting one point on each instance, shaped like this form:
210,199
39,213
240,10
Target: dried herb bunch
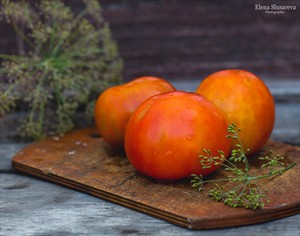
240,188
69,59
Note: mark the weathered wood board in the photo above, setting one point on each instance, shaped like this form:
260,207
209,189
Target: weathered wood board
82,161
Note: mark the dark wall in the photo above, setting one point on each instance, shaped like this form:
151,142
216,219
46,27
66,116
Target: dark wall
189,39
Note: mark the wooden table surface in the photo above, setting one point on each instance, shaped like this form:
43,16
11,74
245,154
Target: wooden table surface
29,206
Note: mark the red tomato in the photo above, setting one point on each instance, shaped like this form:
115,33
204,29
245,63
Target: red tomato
247,102
115,105
167,133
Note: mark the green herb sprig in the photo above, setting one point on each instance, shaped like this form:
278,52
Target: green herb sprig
242,188
65,61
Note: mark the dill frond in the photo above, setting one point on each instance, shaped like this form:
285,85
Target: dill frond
71,58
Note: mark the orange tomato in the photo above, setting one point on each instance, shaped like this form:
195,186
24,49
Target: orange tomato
115,105
166,134
247,102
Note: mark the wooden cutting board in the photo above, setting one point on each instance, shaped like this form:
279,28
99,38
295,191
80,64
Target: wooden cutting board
82,161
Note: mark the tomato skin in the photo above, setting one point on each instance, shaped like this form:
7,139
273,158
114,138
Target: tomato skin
115,105
247,102
167,133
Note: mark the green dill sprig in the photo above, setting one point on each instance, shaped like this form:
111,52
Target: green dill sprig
242,188
65,61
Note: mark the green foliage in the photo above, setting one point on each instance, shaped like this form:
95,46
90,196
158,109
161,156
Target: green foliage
241,188
69,59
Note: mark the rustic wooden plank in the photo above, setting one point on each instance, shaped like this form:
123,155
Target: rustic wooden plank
189,39
85,163
29,206
152,48
32,207
7,151
278,88
37,207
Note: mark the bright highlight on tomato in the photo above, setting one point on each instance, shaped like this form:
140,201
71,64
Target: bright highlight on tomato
115,105
246,101
167,133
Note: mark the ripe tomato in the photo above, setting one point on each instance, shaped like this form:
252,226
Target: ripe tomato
247,102
167,133
115,105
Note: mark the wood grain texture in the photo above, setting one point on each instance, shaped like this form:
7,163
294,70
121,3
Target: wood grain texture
82,161
43,208
190,39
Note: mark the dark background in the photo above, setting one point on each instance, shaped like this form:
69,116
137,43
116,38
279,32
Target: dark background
190,39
